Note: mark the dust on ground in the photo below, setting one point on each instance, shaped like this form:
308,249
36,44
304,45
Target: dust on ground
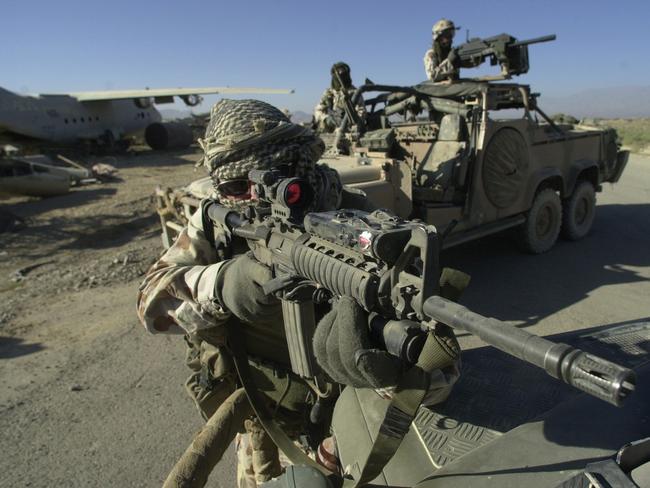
94,236
88,398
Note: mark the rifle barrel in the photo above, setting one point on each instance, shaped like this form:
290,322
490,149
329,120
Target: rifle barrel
587,372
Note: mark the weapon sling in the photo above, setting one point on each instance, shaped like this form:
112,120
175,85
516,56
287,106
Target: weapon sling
398,418
400,413
411,390
281,439
401,410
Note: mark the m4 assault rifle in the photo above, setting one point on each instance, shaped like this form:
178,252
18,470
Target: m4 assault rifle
504,50
390,267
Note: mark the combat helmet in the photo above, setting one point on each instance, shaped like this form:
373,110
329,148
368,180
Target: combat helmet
443,25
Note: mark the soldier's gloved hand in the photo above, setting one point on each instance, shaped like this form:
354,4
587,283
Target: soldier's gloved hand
452,57
343,349
238,289
330,123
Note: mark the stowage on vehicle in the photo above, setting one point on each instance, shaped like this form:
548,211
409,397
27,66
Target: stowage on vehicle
475,158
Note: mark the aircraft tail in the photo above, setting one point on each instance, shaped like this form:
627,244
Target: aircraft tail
6,95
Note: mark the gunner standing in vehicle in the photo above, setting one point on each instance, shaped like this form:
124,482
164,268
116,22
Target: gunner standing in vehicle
441,61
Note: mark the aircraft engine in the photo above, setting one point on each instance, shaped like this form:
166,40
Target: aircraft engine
191,100
143,102
168,135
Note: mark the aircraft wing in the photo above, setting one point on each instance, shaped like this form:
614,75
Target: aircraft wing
165,95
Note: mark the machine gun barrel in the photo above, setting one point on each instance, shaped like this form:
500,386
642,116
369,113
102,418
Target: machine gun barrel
587,372
535,40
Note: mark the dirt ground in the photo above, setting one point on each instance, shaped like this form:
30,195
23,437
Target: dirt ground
87,398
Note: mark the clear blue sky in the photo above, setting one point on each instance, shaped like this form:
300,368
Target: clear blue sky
59,46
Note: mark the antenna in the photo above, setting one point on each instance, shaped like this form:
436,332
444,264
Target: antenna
466,35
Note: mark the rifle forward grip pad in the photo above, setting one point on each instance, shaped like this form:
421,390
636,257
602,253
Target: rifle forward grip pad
342,348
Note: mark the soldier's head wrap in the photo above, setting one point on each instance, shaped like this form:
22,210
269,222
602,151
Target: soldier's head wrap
343,71
243,135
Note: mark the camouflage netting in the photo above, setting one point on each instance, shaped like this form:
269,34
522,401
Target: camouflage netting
249,134
504,167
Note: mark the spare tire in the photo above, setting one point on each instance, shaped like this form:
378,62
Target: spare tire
505,166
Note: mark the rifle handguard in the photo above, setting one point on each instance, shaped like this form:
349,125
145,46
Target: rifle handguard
337,276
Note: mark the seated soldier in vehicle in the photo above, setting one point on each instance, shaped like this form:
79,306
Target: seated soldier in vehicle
204,291
331,109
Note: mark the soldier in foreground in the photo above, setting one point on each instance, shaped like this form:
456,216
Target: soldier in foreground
213,295
336,100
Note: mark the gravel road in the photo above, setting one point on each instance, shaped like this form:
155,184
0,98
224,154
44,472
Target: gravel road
87,398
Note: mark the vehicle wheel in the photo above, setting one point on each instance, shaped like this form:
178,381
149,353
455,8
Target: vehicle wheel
543,222
578,212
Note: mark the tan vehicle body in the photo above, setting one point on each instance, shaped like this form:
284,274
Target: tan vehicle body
487,171
470,171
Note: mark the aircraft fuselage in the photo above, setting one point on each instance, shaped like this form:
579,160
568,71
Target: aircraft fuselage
62,118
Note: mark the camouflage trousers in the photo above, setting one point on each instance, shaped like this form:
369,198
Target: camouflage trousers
258,458
252,467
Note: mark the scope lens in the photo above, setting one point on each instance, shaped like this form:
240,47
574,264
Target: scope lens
293,194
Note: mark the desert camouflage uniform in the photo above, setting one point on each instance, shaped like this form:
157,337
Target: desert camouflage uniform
178,292
177,297
437,65
330,111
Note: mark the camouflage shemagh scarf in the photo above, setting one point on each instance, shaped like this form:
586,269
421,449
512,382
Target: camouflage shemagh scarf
249,134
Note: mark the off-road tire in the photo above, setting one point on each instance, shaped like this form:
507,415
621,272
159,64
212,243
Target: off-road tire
543,221
578,211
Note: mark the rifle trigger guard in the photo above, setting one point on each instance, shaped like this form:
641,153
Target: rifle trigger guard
279,283
302,292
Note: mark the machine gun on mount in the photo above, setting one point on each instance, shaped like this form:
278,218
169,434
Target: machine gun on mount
504,50
390,267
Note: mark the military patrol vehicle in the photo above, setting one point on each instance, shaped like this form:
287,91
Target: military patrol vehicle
453,155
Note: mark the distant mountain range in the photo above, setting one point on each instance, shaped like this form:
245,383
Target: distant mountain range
616,102
609,103
298,117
